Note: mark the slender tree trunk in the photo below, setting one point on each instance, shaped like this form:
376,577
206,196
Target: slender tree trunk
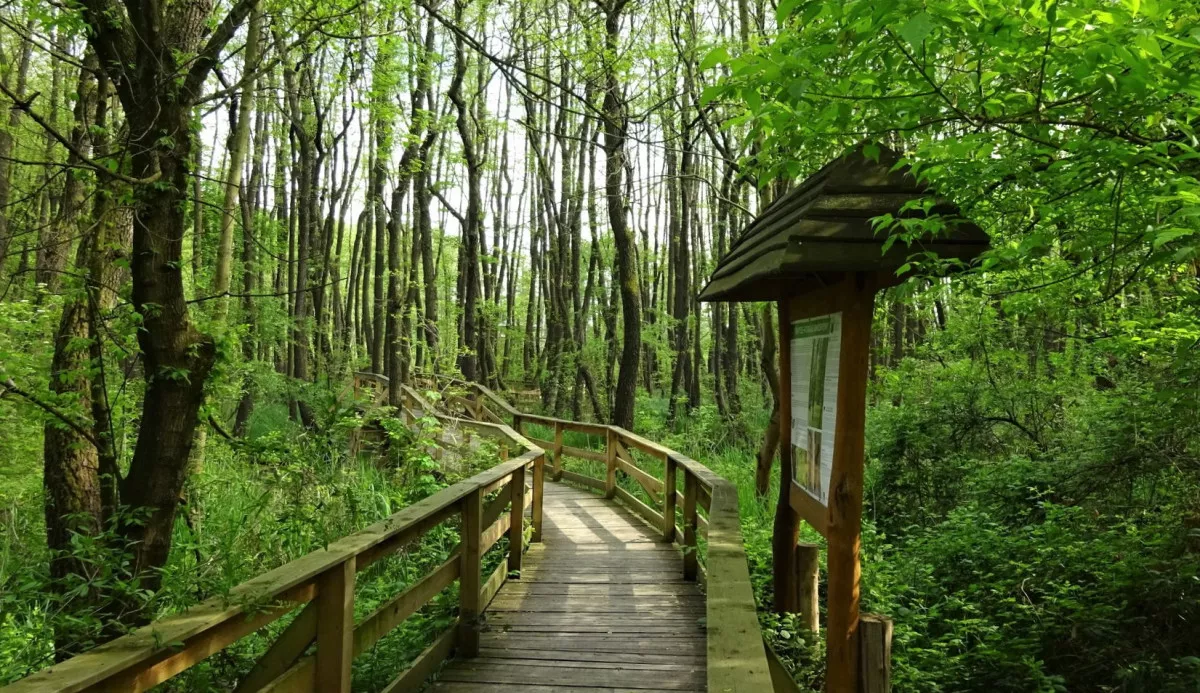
6,146
766,452
615,123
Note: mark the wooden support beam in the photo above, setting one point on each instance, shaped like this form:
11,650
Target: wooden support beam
610,453
583,453
558,450
846,487
284,652
425,664
736,659
668,526
786,528
388,616
691,489
494,532
808,562
494,508
539,480
335,628
583,480
469,607
653,487
875,653
516,525
492,585
650,515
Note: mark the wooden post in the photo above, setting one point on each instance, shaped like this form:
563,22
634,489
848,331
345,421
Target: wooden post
517,424
875,653
846,485
610,459
516,524
787,521
335,627
558,448
539,477
469,606
808,562
691,489
668,528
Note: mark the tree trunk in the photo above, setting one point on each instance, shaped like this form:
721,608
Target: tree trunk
615,123
6,147
766,452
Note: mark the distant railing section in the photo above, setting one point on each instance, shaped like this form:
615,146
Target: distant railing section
736,658
319,589
874,631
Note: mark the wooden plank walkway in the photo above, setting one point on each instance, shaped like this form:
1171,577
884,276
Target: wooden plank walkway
601,606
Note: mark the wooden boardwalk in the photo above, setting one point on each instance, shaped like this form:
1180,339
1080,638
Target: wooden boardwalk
607,597
601,606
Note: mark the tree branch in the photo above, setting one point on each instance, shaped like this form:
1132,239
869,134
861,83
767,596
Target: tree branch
26,106
207,57
450,208
10,386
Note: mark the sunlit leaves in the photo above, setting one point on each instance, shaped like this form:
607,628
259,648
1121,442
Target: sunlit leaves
1065,128
915,30
716,56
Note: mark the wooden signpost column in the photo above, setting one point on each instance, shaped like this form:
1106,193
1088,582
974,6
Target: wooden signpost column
843,528
820,253
852,298
786,531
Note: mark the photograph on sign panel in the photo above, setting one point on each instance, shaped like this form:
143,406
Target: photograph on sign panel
815,347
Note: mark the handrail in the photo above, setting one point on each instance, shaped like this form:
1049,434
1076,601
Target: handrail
320,588
736,658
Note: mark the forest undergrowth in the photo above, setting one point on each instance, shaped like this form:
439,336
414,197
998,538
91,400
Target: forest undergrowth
1031,521
255,504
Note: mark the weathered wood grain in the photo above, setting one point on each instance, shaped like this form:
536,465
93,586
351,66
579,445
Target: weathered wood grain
600,604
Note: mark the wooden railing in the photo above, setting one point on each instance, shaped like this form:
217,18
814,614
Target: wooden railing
319,590
736,659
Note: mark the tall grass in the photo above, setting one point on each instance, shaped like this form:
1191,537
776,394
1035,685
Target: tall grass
251,508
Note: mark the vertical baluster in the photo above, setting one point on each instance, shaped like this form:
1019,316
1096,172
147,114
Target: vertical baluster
558,448
335,627
469,606
539,478
691,489
610,459
516,523
668,528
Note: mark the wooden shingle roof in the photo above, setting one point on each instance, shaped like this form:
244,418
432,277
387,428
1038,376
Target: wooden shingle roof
824,226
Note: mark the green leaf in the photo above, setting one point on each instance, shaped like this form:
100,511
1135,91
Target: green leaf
752,98
1170,234
1149,45
715,57
784,10
916,29
710,94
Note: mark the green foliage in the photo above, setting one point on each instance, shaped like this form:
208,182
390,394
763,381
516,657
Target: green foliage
1064,129
254,506
1032,463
